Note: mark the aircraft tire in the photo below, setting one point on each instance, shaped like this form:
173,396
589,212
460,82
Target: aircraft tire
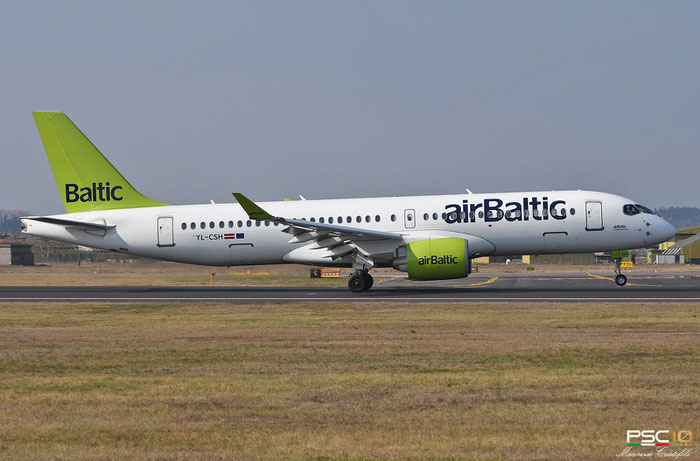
357,283
621,280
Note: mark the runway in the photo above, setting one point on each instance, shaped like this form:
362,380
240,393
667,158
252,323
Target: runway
567,288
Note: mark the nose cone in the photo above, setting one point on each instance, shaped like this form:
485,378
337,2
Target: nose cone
665,230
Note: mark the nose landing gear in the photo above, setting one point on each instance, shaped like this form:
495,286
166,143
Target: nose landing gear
360,281
620,278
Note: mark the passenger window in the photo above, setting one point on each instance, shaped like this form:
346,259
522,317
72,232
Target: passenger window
472,215
367,218
358,219
572,212
313,219
444,216
481,214
435,216
230,224
267,223
348,219
393,217
377,218
184,226
426,216
221,224
409,217
276,223
248,223
193,225
330,220
257,223
240,223
321,220
211,224
340,220
545,213
203,225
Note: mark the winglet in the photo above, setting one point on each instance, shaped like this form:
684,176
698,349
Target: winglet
253,210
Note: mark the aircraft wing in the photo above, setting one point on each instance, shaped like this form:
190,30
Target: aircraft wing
339,241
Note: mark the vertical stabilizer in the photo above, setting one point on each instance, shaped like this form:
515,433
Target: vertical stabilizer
85,178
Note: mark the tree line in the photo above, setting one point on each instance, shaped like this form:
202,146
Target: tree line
680,216
9,221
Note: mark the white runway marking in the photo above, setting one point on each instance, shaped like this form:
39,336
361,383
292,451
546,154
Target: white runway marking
358,299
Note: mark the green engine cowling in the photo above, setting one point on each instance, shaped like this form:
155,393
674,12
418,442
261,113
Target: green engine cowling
434,259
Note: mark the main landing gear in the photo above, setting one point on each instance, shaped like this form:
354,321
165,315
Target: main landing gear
360,281
620,278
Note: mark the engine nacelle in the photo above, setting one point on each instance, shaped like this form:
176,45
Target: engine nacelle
434,259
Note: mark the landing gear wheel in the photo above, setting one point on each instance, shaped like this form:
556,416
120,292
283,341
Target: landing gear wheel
357,282
620,278
360,281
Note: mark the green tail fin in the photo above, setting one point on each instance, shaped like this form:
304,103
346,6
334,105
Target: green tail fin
85,178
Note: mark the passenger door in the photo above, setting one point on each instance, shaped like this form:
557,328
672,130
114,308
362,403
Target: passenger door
165,232
594,216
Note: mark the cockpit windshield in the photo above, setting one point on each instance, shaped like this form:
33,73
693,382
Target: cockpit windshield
630,210
644,209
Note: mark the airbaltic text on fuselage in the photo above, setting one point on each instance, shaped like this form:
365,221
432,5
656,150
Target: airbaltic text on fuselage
96,193
494,209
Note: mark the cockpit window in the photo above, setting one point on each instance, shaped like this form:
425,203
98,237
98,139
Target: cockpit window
630,210
644,209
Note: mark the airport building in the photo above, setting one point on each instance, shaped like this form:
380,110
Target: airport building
685,248
15,253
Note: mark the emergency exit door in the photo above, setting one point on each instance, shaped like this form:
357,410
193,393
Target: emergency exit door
594,216
165,232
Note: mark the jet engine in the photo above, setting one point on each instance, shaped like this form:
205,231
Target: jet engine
434,259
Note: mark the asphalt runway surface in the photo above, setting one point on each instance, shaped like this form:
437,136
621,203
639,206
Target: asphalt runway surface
477,287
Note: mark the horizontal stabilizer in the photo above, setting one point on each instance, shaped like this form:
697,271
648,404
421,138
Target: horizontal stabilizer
72,223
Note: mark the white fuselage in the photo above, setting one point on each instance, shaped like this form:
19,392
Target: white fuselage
223,235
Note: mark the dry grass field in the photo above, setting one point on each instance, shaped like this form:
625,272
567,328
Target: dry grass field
152,273
334,381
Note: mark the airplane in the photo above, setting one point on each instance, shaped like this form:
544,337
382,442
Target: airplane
428,237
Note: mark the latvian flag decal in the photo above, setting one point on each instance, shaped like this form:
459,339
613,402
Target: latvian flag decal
233,236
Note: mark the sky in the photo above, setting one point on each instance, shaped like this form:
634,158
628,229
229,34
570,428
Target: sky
194,100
